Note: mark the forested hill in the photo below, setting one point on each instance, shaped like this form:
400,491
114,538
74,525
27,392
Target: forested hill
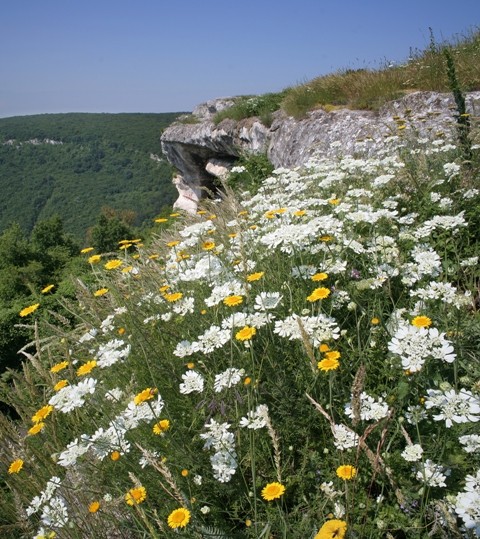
75,164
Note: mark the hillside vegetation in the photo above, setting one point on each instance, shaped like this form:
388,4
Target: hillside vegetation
73,165
369,88
301,362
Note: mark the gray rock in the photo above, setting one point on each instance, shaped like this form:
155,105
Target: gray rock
290,143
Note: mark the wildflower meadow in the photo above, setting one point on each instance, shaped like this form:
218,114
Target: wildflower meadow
298,361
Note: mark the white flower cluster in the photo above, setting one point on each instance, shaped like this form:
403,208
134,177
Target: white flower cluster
412,453
227,379
255,419
433,475
222,441
320,328
467,504
370,409
193,382
415,345
461,407
470,442
112,352
71,397
53,509
344,438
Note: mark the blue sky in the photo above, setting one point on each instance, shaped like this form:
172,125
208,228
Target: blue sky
168,56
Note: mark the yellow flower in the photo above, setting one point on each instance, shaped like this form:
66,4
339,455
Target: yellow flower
421,322
100,292
179,518
328,364
208,245
272,491
59,366
245,334
114,455
15,466
334,201
247,381
162,426
190,365
113,264
164,288
319,276
136,495
255,276
184,472
201,212
248,523
333,354
173,297
86,250
174,215
161,220
60,385
145,395
375,321
332,529
346,471
86,368
42,414
94,507
318,293
94,259
173,243
38,427
29,310
47,289
299,213
233,301
326,237
324,347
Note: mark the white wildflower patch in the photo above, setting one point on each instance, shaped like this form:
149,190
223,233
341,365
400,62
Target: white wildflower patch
193,382
467,503
415,345
344,438
454,407
71,397
412,453
255,419
370,408
228,379
433,475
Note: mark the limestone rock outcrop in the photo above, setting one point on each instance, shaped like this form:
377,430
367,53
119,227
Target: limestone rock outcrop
201,150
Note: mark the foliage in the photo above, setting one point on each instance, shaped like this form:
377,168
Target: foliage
72,165
249,172
292,364
261,106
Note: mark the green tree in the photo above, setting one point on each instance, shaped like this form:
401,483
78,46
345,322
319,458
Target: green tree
108,231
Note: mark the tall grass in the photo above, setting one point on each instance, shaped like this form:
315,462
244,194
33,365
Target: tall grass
370,89
298,363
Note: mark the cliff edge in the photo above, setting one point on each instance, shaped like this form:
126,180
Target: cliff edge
201,150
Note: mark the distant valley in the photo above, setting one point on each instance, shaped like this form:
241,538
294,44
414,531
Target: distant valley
76,164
